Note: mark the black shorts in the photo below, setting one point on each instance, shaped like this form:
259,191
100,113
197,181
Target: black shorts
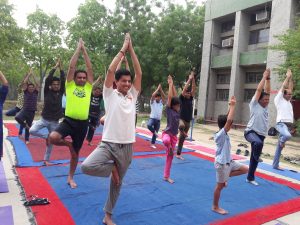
76,129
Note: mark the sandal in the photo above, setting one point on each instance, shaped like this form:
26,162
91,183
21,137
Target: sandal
36,201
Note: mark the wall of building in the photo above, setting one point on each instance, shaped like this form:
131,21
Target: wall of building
217,8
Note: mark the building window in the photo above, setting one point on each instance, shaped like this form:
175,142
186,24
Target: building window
253,77
248,94
223,78
222,94
259,36
227,26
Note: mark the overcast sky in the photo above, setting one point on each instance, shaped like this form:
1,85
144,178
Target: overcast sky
64,9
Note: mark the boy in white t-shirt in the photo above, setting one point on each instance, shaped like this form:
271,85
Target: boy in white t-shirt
225,166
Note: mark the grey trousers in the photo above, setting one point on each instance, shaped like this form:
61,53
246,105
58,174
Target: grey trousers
100,163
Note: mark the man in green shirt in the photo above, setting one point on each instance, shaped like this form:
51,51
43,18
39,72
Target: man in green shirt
75,124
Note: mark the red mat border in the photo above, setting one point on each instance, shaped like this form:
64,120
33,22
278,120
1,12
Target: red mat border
44,214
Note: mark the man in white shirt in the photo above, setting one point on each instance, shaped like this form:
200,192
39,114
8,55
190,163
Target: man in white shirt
285,116
113,156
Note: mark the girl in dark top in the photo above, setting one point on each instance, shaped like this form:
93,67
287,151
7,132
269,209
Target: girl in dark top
169,135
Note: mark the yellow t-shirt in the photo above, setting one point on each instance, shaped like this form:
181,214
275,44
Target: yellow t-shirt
78,100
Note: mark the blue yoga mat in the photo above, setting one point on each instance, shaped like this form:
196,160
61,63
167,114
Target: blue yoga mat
147,199
6,215
3,182
285,172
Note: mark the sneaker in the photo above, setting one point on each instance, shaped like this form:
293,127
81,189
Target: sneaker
246,153
153,146
253,182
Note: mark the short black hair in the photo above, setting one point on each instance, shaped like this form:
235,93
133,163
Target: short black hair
55,79
263,94
222,119
30,84
122,72
175,101
157,95
79,71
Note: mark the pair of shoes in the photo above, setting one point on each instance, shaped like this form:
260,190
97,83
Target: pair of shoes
246,153
253,182
37,201
238,151
153,146
242,145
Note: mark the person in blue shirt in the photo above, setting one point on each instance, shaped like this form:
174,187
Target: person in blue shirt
3,94
225,166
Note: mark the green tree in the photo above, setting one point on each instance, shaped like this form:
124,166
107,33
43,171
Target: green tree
91,24
290,45
43,41
178,37
11,36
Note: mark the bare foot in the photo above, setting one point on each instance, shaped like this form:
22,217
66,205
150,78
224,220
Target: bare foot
20,136
90,144
115,175
279,168
168,179
108,221
47,163
26,142
179,157
219,210
282,145
72,183
225,184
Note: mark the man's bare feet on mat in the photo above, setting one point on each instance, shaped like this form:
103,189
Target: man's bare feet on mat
72,183
168,179
107,219
115,175
179,157
219,210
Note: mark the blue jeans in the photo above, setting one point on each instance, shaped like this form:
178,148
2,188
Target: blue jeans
153,125
257,143
284,135
37,126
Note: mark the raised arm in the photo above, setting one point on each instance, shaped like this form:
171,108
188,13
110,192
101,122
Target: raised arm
36,84
73,62
230,114
110,76
137,68
162,93
261,84
3,80
25,81
170,92
155,92
98,82
187,84
88,64
62,78
193,91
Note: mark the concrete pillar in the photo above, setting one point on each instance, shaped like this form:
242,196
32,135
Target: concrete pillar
205,70
282,18
237,79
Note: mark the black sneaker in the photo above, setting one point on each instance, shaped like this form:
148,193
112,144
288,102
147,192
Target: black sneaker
246,153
